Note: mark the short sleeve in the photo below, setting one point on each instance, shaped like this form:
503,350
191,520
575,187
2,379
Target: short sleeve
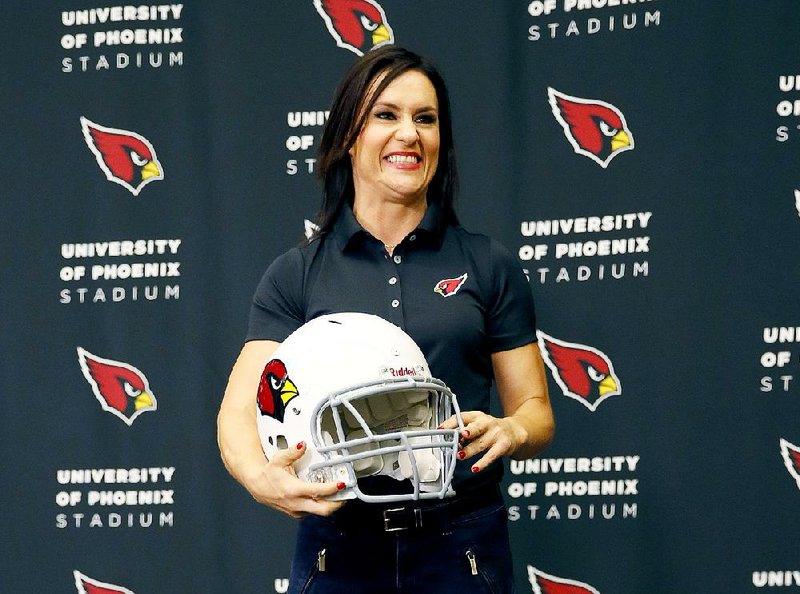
277,308
510,315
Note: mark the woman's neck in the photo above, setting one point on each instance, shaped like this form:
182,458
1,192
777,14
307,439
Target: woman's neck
389,222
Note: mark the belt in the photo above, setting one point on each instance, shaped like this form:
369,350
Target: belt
370,517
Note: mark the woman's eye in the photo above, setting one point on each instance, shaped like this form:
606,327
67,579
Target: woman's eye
426,119
384,115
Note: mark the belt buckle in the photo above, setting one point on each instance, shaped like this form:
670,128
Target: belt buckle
405,524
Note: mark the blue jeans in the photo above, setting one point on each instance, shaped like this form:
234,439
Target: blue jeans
467,554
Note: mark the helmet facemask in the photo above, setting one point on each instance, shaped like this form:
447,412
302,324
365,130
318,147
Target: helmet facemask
389,429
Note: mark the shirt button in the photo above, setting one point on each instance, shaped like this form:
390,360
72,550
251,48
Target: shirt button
393,280
412,238
395,302
397,259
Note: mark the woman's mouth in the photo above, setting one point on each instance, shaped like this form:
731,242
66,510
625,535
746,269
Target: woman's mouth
404,160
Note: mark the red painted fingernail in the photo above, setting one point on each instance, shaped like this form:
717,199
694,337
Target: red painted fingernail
301,445
340,486
439,427
475,469
466,433
462,454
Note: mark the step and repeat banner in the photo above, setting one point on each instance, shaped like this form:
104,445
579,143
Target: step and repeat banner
640,157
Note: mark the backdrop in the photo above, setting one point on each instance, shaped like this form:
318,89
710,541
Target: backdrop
641,157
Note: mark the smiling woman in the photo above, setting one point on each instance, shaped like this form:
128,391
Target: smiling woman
353,107
390,245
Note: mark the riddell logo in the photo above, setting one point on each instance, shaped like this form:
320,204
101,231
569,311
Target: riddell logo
582,372
87,585
126,158
357,25
791,459
543,583
120,388
595,129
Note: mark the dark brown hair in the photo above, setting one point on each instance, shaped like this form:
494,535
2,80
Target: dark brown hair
352,103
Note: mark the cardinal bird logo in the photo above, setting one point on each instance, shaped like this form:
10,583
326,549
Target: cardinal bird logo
791,459
595,129
275,390
126,158
120,388
87,585
543,583
448,287
357,25
582,372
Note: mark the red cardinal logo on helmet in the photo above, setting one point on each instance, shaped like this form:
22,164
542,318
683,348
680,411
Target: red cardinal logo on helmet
87,585
126,158
448,287
595,129
275,390
357,25
791,459
582,372
543,583
120,388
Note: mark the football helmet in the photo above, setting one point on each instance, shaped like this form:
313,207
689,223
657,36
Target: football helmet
357,390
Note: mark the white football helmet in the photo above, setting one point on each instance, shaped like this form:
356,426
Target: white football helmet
357,390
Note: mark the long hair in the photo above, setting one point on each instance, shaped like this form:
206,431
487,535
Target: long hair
352,103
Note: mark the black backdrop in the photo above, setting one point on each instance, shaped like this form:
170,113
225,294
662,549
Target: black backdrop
682,481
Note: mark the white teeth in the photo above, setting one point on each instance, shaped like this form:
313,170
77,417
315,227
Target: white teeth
402,159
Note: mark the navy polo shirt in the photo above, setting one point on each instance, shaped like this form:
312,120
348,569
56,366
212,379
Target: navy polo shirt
460,295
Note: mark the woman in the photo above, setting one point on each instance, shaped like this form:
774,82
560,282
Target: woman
390,244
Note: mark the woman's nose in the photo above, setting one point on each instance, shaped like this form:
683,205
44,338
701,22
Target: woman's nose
407,131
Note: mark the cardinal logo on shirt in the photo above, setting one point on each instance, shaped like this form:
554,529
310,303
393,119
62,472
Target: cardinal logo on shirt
447,287
595,129
791,459
121,389
582,372
126,158
543,583
87,585
357,25
275,390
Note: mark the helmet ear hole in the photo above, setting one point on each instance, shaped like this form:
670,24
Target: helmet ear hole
282,443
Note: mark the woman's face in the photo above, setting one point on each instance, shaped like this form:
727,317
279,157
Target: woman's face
397,151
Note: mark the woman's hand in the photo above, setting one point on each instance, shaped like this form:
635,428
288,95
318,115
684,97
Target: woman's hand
496,437
275,484
527,425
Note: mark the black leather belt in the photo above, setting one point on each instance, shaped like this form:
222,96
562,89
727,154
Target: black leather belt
415,515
